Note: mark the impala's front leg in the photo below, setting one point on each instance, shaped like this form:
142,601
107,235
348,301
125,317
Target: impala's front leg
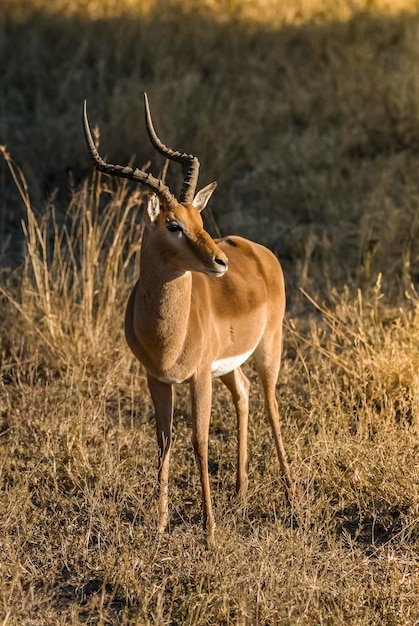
162,395
201,388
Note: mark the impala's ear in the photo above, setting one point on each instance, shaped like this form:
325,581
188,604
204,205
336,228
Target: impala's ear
201,199
153,207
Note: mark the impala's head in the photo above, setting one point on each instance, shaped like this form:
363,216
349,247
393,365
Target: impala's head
179,232
176,224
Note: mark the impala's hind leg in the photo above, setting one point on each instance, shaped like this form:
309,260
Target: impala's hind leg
267,358
237,383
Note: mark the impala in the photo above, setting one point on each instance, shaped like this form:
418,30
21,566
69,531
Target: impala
200,309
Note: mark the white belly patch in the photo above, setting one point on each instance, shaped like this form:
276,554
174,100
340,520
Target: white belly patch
224,366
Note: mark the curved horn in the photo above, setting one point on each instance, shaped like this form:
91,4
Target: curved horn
137,175
189,162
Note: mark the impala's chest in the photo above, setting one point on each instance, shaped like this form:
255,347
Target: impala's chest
169,367
157,334
170,361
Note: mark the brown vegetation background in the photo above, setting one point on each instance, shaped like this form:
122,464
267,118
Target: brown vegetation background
307,114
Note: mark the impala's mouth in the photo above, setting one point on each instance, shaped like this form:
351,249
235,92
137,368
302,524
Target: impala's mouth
220,264
217,272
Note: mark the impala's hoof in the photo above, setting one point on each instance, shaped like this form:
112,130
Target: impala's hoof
210,537
241,488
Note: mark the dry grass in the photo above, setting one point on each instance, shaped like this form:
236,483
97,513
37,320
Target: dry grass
78,497
77,446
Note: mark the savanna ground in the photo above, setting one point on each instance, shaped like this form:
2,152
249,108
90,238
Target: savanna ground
307,114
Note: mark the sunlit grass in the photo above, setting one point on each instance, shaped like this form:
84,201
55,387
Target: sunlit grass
271,12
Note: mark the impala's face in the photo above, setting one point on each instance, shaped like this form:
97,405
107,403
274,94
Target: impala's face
184,242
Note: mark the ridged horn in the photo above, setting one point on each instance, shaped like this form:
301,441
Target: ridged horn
189,162
135,174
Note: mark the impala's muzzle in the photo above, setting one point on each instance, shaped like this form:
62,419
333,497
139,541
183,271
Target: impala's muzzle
214,259
220,263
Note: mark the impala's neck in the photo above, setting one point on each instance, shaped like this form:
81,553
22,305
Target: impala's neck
163,302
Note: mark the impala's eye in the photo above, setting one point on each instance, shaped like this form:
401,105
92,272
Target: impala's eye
174,227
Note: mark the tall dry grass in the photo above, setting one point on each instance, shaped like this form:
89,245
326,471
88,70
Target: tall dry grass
78,268
332,88
78,468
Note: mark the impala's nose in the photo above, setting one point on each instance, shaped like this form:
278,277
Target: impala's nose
221,263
